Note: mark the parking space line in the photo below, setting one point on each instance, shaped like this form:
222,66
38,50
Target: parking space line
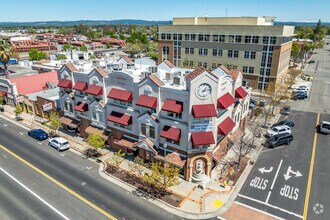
258,210
311,169
277,148
270,205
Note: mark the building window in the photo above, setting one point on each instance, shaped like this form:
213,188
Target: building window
203,37
250,55
202,51
166,50
163,36
248,69
152,132
68,106
143,129
145,109
255,39
189,50
234,39
221,112
172,141
233,53
203,64
174,115
248,39
265,40
273,40
122,103
177,36
168,36
217,53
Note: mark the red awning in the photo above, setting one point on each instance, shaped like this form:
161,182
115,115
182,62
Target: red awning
81,107
226,126
204,111
80,86
171,133
120,94
3,93
202,138
240,92
147,101
65,83
225,101
94,90
120,118
173,106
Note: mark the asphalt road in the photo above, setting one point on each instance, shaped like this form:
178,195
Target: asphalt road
69,169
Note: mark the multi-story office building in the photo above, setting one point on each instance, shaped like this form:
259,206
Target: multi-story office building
254,45
155,111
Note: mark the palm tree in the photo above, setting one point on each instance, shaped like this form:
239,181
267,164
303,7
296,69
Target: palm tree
6,51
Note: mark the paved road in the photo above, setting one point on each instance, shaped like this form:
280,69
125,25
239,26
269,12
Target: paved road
78,174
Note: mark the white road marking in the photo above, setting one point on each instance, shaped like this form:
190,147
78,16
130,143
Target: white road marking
287,174
88,168
272,206
62,154
5,125
4,156
34,194
274,180
273,149
21,133
263,212
39,143
264,170
218,217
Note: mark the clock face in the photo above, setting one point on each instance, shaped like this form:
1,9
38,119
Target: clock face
203,91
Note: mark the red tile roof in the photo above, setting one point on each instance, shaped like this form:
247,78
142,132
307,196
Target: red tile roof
127,59
197,71
156,80
102,72
169,64
172,158
224,68
81,107
34,83
234,74
71,67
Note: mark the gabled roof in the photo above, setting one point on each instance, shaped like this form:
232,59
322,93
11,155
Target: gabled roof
234,73
196,72
127,59
169,64
34,83
156,80
102,72
224,69
71,67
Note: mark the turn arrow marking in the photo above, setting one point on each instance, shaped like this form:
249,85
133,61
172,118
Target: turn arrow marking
264,170
288,176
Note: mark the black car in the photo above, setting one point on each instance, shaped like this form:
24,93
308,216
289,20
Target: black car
300,96
279,139
286,110
312,61
284,122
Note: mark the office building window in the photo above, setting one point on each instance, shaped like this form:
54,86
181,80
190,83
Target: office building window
250,55
273,40
168,36
203,64
238,39
234,39
265,40
248,39
193,37
203,37
189,50
152,132
233,53
202,52
143,129
255,39
166,50
163,36
217,53
248,69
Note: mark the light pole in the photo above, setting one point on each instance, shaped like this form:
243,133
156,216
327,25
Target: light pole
165,146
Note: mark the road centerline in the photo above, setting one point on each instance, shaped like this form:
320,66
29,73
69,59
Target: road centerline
310,173
34,194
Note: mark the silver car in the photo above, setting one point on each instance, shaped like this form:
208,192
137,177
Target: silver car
59,143
278,130
324,127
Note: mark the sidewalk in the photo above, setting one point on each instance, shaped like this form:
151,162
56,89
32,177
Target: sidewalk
196,203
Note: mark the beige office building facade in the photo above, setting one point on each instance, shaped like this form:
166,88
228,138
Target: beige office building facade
254,45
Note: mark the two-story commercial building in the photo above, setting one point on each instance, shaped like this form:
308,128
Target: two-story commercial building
154,111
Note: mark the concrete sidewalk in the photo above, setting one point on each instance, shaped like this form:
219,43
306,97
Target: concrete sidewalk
196,203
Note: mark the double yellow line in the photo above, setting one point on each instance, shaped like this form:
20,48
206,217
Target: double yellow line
311,169
59,184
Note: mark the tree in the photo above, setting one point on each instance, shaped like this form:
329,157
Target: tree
61,57
95,140
83,48
6,52
54,122
35,54
137,167
18,111
295,50
291,77
66,47
116,158
158,177
1,100
107,45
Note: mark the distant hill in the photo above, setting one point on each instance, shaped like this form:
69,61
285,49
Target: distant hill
86,22
299,23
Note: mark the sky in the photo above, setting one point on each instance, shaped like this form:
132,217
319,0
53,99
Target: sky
71,10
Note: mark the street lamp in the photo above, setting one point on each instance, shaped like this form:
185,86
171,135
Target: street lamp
165,146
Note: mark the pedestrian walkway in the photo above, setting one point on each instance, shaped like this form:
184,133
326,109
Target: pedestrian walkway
196,203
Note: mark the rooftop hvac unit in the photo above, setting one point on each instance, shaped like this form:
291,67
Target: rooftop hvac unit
168,76
153,69
145,74
177,81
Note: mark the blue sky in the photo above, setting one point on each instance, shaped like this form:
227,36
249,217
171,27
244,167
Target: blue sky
47,10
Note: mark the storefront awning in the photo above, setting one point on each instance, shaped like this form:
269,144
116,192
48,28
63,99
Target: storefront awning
202,138
204,111
65,83
171,105
120,94
225,101
226,126
80,86
240,92
94,90
123,119
147,101
171,133
3,93
81,107
69,122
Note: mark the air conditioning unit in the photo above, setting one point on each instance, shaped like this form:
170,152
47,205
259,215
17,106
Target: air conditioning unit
153,69
177,81
145,74
168,76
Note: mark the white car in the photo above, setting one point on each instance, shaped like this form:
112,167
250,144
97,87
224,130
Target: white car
300,89
324,127
278,130
59,143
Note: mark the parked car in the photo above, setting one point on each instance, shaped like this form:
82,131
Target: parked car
284,122
300,89
59,143
324,127
286,110
311,61
253,102
262,103
38,134
300,96
279,139
278,130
